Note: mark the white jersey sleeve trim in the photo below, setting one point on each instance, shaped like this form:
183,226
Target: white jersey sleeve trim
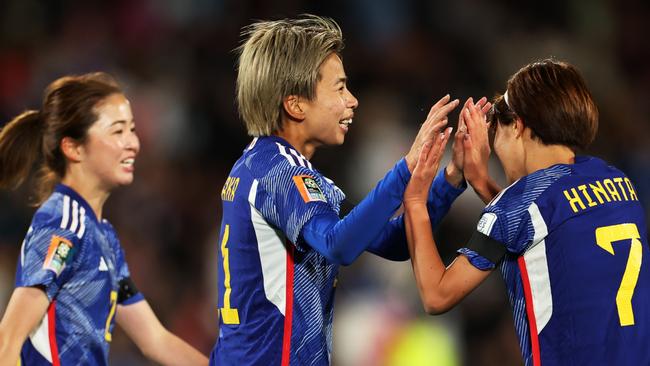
40,338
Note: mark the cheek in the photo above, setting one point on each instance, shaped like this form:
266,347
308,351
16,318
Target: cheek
335,104
106,150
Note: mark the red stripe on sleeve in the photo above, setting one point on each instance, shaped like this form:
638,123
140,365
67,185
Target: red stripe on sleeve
530,311
51,330
288,313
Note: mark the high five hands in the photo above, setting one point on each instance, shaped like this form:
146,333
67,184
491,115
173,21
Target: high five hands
470,150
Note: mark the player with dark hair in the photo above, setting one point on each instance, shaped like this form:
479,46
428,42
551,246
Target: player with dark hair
568,234
72,281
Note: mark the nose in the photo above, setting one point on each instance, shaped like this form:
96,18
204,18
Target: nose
132,142
352,101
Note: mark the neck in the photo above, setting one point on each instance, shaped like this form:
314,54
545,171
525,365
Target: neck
296,136
92,193
539,156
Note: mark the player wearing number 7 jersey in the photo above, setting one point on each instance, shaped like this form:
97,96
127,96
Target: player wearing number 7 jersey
568,234
283,233
72,282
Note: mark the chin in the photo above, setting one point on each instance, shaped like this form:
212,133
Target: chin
340,140
124,181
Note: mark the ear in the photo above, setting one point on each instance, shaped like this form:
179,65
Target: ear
519,127
71,149
293,105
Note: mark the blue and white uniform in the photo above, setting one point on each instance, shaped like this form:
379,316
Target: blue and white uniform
79,263
280,245
575,264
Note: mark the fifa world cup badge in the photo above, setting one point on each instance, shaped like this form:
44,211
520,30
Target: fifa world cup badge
308,188
58,254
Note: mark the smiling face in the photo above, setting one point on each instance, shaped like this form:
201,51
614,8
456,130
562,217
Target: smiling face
111,145
329,115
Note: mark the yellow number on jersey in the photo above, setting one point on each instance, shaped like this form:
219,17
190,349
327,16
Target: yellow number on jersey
607,235
228,314
111,314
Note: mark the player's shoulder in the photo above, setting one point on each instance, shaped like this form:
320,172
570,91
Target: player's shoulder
526,190
594,167
272,157
65,212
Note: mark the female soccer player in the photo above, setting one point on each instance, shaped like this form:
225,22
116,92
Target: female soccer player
72,281
568,233
283,231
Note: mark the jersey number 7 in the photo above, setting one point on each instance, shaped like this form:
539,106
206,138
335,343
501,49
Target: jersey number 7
605,237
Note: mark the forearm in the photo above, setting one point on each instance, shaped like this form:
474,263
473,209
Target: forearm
391,243
428,267
26,308
171,350
9,348
486,189
154,341
342,241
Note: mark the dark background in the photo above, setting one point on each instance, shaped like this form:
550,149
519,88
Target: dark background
174,59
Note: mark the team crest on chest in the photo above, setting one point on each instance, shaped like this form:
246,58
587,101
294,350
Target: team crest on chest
58,254
308,188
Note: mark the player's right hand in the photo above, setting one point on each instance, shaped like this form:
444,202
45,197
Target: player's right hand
417,190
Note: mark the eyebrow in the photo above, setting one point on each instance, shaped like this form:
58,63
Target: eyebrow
121,121
343,80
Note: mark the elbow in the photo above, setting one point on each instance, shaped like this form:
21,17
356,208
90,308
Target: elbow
152,348
341,259
340,256
401,257
436,304
148,351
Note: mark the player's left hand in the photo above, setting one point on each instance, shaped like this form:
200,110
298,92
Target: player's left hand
432,126
476,146
454,170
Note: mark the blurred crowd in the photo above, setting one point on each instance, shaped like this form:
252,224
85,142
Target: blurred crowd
176,62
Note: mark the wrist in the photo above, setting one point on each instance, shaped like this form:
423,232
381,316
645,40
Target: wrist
414,205
453,175
485,189
410,163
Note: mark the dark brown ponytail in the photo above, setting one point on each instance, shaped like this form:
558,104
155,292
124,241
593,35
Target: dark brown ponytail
20,148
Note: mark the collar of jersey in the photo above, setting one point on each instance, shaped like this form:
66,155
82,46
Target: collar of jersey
63,189
273,138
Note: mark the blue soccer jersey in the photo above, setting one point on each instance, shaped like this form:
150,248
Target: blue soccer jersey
576,245
276,293
79,263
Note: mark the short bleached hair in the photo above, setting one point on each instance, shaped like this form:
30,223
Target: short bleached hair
281,58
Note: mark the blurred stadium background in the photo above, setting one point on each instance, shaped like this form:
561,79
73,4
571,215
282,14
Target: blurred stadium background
175,60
